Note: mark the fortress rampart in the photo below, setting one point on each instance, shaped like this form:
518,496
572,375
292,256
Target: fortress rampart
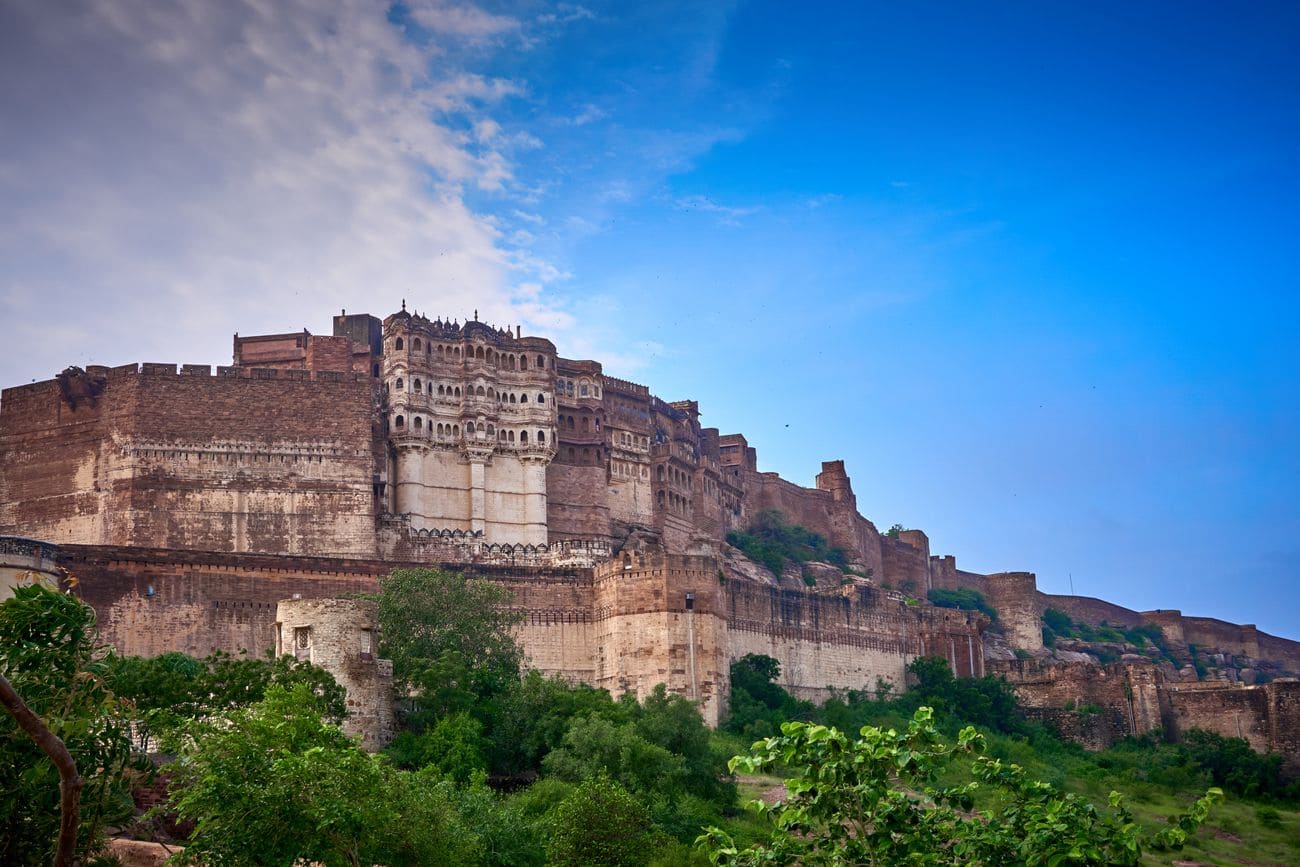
191,501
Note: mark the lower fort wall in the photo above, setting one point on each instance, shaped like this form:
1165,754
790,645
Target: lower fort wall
1267,716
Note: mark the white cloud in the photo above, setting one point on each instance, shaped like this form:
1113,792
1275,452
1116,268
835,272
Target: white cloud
727,215
173,172
462,20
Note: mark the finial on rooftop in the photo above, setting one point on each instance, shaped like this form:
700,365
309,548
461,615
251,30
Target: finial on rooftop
403,305
476,314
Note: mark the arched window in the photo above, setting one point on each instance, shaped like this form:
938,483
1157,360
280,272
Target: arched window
490,430
398,385
374,371
457,394
455,430
661,499
586,454
511,436
399,422
416,344
440,391
439,430
523,362
417,386
481,392
585,424
597,424
541,436
512,399
478,353
541,398
469,428
541,362
572,423
458,352
512,363
419,423
398,344
661,474
428,349
523,436
440,349
501,435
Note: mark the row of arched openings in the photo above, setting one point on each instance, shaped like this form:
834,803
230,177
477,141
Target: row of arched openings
508,361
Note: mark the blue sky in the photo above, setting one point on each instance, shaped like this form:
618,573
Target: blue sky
1028,268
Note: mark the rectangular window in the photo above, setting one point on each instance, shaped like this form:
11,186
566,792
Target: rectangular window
302,642
367,645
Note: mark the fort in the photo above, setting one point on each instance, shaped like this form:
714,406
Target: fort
206,509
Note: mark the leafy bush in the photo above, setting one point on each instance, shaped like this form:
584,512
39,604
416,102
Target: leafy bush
964,599
600,823
775,543
877,799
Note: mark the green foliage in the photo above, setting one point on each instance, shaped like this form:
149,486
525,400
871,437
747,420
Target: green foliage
49,652
273,784
773,542
1232,764
895,531
533,715
758,704
963,598
878,800
600,823
453,748
1057,621
170,689
449,639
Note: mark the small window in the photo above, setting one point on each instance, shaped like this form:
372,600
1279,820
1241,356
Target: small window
512,436
367,644
469,427
398,344
541,362
541,398
523,436
400,422
583,392
523,362
398,384
481,392
541,436
374,371
302,642
512,399
419,423
417,386
415,345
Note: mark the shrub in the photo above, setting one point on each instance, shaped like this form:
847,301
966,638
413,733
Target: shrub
962,598
600,823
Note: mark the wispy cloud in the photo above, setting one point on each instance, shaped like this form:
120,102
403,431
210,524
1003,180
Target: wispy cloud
727,215
170,173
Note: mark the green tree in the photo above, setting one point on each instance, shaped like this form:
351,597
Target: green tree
600,823
876,800
169,690
454,748
449,638
49,652
273,784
